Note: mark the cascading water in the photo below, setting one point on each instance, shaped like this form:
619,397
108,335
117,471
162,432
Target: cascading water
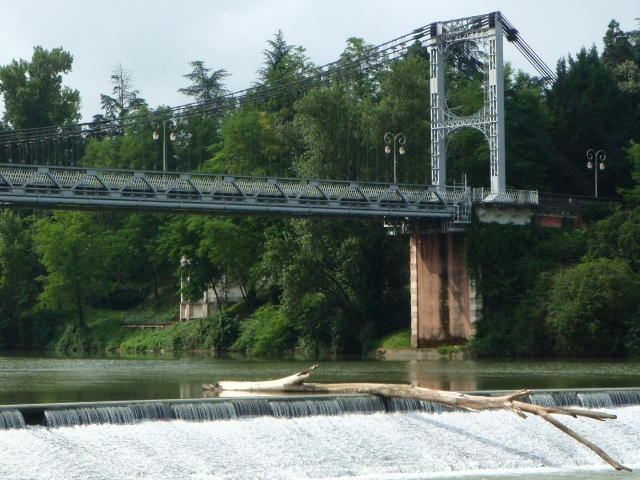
199,412
410,405
595,399
11,419
287,408
399,445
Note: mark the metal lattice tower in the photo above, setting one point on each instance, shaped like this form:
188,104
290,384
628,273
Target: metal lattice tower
484,33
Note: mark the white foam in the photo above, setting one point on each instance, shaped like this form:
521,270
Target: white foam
379,446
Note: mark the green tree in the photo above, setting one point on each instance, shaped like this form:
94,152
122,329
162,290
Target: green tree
617,46
125,98
235,246
632,195
585,84
343,283
72,250
283,64
617,236
17,282
179,243
590,307
33,92
204,86
513,277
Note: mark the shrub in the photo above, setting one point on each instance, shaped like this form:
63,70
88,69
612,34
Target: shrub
72,340
41,327
591,307
266,332
275,335
126,296
223,330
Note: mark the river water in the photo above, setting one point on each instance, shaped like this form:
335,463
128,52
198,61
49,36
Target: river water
412,445
41,378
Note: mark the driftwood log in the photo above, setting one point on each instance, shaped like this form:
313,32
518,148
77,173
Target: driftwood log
474,403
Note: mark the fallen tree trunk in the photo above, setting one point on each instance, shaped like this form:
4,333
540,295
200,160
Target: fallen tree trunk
474,403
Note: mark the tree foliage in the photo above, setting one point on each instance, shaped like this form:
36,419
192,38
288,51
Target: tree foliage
316,284
33,93
204,86
125,98
591,305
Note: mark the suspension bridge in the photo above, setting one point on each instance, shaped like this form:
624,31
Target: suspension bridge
46,167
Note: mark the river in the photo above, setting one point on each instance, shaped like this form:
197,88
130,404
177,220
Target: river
49,378
495,445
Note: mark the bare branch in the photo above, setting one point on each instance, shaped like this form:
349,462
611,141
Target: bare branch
474,403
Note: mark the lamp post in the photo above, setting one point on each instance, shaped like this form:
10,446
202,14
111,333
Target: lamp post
172,136
596,161
390,137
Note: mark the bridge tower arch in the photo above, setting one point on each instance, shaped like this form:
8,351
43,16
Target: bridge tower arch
485,34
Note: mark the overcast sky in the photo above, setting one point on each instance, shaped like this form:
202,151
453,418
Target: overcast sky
155,40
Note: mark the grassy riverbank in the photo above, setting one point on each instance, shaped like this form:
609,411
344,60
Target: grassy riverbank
261,331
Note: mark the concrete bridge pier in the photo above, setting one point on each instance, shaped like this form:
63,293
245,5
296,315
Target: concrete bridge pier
444,302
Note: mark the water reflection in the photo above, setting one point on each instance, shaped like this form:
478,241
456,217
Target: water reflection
44,378
438,378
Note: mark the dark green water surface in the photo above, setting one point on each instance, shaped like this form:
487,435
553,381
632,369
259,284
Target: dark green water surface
42,378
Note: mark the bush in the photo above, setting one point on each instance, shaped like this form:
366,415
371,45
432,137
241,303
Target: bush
218,331
40,327
397,339
72,340
126,296
266,332
513,276
224,330
592,306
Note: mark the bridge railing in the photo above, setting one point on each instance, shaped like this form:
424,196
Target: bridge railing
109,188
520,197
559,204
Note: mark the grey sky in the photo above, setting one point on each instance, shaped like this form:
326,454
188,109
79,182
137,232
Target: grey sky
155,40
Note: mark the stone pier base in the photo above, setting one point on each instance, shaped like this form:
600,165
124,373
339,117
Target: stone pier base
444,303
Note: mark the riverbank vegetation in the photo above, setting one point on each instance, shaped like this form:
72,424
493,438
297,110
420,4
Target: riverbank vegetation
70,280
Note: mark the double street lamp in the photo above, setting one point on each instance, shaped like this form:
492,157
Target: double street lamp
172,136
596,161
401,139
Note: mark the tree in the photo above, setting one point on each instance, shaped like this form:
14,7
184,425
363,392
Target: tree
617,46
125,97
131,252
33,92
17,284
343,283
513,277
235,246
632,195
585,84
204,86
591,305
72,250
276,58
248,145
179,244
283,63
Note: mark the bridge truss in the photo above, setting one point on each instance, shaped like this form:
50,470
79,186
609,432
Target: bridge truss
480,39
90,188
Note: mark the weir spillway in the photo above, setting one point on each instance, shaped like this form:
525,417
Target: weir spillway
307,437
291,406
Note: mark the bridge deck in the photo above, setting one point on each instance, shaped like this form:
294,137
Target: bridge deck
60,187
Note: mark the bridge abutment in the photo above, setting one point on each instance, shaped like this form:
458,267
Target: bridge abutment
444,302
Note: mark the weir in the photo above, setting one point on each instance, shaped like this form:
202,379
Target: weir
317,437
283,407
